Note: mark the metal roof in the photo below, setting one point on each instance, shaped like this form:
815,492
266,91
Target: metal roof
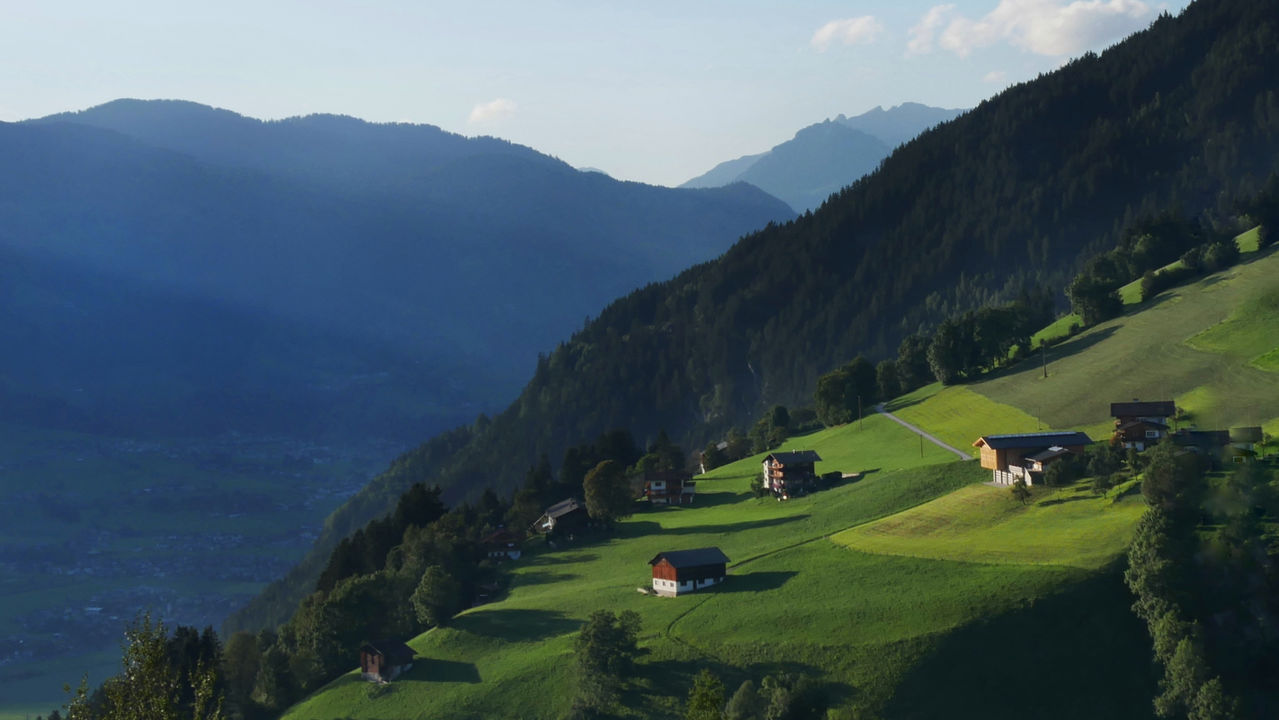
1027,441
1049,454
562,508
796,456
393,650
1158,408
691,558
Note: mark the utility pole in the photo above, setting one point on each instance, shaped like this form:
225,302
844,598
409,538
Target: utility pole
860,425
921,445
1043,353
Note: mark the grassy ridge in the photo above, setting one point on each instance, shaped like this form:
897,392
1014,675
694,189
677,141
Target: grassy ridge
1062,526
959,416
859,622
1146,355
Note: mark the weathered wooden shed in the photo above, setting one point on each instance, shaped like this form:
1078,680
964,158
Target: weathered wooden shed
384,660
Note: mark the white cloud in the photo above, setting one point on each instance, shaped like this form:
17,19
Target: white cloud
995,77
922,34
848,31
492,111
1043,27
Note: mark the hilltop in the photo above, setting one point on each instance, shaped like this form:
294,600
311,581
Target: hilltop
826,156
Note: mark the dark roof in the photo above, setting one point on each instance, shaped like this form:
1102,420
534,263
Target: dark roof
1246,434
691,558
1049,454
1135,423
1158,408
795,457
395,652
1029,441
1202,438
562,508
501,537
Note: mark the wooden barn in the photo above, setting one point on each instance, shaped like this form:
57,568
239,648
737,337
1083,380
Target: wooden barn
678,572
792,473
564,516
669,487
1158,411
384,660
1024,456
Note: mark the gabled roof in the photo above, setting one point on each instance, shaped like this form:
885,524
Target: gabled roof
1202,438
1137,423
1158,408
691,558
1246,434
1029,441
1053,452
795,457
501,537
562,508
396,652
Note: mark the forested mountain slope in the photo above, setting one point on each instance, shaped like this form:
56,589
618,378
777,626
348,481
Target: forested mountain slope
1017,191
428,255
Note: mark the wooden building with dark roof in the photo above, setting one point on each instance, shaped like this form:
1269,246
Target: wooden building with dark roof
1013,457
385,660
787,474
677,572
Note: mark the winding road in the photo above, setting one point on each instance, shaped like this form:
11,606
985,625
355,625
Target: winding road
931,438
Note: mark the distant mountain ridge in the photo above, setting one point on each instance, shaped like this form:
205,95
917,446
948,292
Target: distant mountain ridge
827,156
469,256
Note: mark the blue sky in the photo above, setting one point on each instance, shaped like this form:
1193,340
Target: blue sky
653,91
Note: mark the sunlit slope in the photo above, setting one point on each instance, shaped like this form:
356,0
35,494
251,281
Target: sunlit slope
1208,345
1066,526
860,623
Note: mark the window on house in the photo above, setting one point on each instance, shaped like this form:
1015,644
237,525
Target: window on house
1152,433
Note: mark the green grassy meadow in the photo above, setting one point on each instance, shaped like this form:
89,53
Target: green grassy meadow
859,622
1059,526
1203,345
958,416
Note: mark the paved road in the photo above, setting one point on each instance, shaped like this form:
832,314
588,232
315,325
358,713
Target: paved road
931,438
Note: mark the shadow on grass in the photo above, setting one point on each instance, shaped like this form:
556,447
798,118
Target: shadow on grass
1064,500
647,527
543,577
754,582
1060,351
1078,654
516,625
548,558
436,670
703,500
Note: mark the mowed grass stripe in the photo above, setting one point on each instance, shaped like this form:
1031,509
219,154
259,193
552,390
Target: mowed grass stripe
983,524
1144,355
959,416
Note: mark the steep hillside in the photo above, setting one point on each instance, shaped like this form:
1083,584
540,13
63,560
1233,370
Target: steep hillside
802,596
824,157
1018,190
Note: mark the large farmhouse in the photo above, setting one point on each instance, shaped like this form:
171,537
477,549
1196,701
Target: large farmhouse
1139,425
684,571
384,660
1024,457
787,474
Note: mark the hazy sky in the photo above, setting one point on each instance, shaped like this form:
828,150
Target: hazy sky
653,91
